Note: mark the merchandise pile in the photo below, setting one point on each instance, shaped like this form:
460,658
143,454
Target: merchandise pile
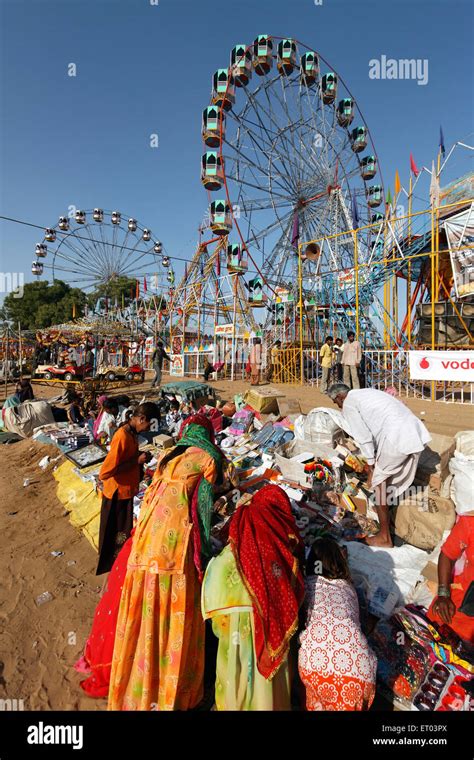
266,439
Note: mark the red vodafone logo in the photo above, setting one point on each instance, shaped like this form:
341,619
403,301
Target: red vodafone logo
424,363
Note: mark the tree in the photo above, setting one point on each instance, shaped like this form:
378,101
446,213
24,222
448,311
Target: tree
119,289
43,304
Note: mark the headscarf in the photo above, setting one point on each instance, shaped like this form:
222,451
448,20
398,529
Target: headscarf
95,427
197,431
268,551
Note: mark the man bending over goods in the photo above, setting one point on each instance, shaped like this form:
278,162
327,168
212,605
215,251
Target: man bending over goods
390,437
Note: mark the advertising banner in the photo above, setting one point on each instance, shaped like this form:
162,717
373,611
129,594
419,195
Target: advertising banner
177,365
442,365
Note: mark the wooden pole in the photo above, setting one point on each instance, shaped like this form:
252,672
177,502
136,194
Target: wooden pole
20,349
6,360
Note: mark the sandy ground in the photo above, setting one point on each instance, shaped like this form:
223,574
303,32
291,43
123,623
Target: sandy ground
39,644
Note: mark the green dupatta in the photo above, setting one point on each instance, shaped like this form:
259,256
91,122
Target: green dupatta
203,498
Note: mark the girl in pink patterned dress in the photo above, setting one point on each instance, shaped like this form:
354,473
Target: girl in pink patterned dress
335,661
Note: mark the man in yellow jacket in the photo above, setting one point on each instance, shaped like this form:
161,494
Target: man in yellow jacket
326,356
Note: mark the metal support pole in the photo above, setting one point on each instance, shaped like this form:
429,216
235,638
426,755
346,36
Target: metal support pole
300,287
356,267
433,280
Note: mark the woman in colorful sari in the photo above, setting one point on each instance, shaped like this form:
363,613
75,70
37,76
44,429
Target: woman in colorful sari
336,664
252,592
96,661
158,659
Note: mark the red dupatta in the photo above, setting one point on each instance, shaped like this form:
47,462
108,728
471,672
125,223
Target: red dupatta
267,548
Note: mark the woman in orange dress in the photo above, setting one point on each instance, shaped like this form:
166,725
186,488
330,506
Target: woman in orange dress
158,659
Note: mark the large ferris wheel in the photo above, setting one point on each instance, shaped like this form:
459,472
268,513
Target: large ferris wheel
289,158
89,249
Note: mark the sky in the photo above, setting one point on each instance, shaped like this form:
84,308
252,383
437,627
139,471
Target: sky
144,68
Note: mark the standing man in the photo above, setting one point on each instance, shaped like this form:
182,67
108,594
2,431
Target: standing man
102,358
337,350
390,437
326,357
255,361
89,358
274,360
159,355
351,358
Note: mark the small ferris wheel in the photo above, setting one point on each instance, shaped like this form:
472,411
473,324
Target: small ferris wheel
92,248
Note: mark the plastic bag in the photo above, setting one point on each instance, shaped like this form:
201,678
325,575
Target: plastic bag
462,487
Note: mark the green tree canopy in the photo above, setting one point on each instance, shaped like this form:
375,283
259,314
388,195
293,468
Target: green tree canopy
43,304
114,289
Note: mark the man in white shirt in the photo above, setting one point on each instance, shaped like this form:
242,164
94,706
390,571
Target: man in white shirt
102,358
390,437
351,358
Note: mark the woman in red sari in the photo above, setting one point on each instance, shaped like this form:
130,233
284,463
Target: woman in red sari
97,658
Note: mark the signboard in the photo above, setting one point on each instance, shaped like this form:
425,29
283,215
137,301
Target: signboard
346,278
224,330
442,365
458,190
460,235
177,365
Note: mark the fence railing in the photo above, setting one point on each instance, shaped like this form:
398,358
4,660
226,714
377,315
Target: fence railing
379,369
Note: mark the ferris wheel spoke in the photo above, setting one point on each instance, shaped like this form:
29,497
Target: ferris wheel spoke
282,136
287,186
106,245
75,241
77,258
241,158
95,244
265,129
284,104
257,186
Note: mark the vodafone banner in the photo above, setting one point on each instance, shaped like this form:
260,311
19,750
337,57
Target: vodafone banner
442,365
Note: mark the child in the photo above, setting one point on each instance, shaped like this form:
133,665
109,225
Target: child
174,418
74,412
335,662
108,421
119,479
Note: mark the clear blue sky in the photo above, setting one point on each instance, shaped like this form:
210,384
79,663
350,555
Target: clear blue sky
145,69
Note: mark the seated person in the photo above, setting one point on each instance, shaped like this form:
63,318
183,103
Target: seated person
108,421
174,418
208,370
24,391
125,410
335,662
74,413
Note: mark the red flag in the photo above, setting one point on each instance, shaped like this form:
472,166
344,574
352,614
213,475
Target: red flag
413,166
137,289
144,284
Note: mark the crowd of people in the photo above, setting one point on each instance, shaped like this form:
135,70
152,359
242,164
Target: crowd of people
146,649
286,621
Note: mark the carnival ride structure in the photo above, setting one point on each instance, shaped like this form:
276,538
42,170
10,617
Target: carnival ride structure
290,158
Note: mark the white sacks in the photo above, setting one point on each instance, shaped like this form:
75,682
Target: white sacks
461,467
320,425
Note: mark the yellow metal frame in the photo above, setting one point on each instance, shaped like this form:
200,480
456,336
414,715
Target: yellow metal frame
390,288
